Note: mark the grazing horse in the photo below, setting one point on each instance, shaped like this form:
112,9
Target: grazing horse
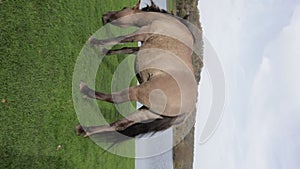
163,67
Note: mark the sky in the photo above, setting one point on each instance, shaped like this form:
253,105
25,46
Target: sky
257,43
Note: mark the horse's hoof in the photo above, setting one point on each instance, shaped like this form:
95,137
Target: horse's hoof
84,89
104,51
82,85
95,42
91,40
79,130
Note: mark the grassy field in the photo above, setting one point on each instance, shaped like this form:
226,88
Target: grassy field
170,5
39,44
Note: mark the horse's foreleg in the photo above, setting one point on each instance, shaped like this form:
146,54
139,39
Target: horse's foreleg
126,95
125,50
117,40
113,41
136,36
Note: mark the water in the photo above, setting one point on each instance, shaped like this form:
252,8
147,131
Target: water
155,152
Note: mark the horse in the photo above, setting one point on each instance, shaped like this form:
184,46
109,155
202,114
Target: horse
163,65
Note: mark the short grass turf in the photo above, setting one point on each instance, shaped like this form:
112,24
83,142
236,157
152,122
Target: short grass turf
39,43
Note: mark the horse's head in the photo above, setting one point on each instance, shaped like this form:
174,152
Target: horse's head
114,15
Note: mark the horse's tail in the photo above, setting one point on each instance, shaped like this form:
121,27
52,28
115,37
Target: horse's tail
149,126
137,129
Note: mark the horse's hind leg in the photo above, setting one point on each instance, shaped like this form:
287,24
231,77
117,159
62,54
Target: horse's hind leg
142,114
126,95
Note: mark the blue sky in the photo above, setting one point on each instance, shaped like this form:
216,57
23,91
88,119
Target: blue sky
257,42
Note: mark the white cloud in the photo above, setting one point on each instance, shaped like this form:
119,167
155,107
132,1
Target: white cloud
273,128
260,125
221,26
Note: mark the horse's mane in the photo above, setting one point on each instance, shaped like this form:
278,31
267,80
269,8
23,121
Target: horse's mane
153,8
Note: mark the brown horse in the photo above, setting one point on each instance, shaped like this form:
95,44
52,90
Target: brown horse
163,68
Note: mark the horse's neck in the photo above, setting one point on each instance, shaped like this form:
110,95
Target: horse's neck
146,18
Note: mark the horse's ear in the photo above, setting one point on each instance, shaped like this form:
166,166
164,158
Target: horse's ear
137,5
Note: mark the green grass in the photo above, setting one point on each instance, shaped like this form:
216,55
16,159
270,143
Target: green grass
39,44
170,5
